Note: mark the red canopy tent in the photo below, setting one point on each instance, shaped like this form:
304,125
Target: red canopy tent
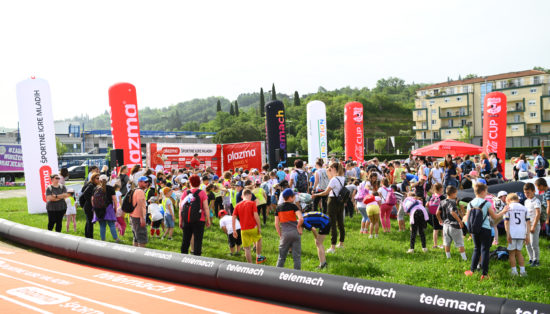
455,148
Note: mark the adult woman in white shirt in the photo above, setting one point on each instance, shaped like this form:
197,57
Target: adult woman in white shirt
337,182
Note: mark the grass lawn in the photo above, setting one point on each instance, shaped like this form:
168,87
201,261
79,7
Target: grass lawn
7,188
382,259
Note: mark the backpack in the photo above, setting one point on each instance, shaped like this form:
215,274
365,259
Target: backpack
128,202
301,181
468,166
344,194
476,219
361,192
390,197
543,214
81,199
191,210
99,200
545,163
433,204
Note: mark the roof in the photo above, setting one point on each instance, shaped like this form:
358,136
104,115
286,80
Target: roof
502,76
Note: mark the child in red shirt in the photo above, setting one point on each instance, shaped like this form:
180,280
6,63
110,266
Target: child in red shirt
247,213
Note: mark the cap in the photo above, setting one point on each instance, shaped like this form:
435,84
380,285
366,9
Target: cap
502,193
103,178
222,213
288,193
142,179
215,178
153,199
70,191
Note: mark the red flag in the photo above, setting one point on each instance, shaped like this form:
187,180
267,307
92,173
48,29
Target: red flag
494,125
353,126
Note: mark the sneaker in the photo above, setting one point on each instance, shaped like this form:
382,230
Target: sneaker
514,273
260,259
530,262
435,247
523,274
495,242
330,251
469,273
339,246
376,236
484,277
322,266
370,236
424,250
535,263
440,247
410,251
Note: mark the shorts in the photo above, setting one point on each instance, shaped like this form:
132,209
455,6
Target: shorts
325,230
434,222
268,200
451,234
516,244
140,233
156,224
169,221
273,199
400,213
232,241
373,210
250,236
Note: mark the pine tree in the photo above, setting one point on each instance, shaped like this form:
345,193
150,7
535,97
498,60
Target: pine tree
262,103
236,108
231,111
218,106
296,99
273,92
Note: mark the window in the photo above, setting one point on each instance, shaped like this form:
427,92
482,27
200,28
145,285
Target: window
434,111
424,135
458,98
532,102
423,93
436,135
450,123
536,80
436,91
462,111
452,90
418,113
434,122
448,132
432,102
503,84
517,118
532,114
462,122
515,127
514,92
533,90
446,99
424,125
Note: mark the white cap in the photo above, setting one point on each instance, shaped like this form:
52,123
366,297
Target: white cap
502,193
103,178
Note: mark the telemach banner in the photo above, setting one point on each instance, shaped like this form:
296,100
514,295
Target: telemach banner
275,133
317,142
494,125
125,122
37,140
353,128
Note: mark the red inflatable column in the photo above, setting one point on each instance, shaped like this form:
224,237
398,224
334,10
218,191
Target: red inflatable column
494,125
353,127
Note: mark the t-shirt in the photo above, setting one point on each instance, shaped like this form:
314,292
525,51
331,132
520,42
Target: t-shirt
287,213
517,216
195,163
397,175
227,222
436,175
448,206
477,202
532,204
57,205
336,184
154,210
245,212
450,171
281,175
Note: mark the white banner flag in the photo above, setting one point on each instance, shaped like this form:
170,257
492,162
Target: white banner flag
317,142
37,140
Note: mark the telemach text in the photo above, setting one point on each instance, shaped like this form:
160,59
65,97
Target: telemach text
436,300
301,279
386,293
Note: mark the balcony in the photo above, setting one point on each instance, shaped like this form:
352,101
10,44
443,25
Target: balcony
516,107
515,129
446,114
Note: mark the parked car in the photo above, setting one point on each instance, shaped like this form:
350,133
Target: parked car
77,172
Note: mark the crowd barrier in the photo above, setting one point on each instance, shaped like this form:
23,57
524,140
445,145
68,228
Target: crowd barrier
310,289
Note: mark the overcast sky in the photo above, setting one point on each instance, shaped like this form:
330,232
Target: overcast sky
174,51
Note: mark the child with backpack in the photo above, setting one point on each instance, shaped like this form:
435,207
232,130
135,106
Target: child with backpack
418,217
448,216
517,224
387,203
479,209
433,206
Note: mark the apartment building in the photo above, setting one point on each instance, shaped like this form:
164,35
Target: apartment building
454,109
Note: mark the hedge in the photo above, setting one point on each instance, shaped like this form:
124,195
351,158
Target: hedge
381,157
516,151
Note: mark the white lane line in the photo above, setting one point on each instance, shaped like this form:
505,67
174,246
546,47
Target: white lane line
114,307
24,305
117,287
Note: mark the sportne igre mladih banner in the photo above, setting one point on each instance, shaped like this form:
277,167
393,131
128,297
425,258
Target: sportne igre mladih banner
37,140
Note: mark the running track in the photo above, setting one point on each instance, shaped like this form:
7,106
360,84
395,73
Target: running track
31,283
